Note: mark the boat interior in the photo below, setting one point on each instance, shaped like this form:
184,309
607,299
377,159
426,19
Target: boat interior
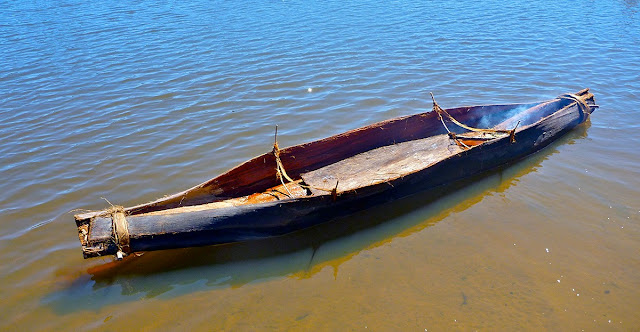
375,166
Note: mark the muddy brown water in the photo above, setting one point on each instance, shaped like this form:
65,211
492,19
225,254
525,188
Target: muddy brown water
134,100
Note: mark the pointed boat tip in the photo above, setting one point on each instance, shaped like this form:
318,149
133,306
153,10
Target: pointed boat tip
583,91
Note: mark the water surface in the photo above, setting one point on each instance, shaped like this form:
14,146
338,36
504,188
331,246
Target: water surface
133,100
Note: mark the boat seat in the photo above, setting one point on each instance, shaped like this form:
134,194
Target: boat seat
380,165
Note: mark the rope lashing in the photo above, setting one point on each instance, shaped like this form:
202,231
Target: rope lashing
585,109
453,136
282,175
512,134
120,231
120,228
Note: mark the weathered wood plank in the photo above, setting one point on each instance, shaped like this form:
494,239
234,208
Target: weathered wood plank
382,164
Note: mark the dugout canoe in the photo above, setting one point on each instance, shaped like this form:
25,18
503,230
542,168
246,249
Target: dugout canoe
303,185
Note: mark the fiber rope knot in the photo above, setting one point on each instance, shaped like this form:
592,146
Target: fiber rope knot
585,109
281,173
276,154
120,228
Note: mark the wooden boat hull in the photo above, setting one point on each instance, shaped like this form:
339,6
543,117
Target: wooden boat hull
164,224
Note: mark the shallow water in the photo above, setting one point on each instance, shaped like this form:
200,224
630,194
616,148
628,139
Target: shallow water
133,100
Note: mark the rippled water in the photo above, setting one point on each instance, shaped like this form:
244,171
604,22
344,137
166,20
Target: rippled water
131,100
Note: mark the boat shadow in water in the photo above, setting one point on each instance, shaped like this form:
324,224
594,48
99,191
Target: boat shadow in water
301,254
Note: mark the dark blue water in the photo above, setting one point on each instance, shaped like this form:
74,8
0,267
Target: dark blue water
133,100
